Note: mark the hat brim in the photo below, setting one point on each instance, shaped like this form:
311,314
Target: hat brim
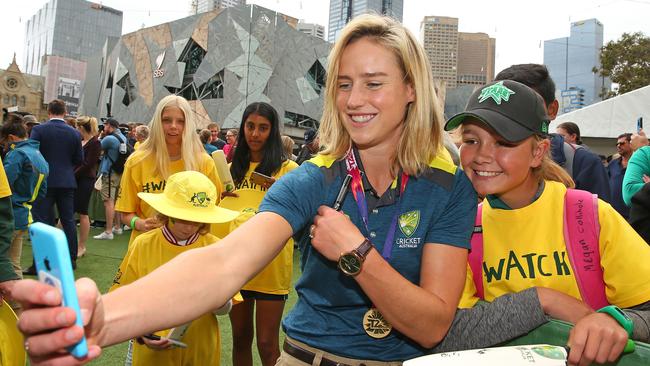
11,340
212,214
504,126
248,199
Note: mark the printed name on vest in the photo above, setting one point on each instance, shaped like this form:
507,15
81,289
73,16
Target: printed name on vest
530,265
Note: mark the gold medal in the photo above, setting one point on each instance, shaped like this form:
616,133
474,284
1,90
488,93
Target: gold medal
375,324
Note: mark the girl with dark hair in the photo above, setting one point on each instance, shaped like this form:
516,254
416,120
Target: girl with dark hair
259,149
86,174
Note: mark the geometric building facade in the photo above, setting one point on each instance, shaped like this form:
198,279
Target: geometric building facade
220,61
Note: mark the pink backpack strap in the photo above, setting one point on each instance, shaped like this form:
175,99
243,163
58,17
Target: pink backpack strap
581,236
475,257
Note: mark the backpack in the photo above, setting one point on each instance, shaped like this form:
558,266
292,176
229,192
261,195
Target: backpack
581,234
118,165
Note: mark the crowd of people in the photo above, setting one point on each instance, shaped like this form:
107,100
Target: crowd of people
382,216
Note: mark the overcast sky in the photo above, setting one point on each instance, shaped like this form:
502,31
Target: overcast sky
519,29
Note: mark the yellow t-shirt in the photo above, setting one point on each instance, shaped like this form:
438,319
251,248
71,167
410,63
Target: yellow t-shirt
275,278
525,248
5,190
139,176
149,251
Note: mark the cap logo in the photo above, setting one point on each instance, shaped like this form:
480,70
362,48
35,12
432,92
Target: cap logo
200,199
498,92
545,126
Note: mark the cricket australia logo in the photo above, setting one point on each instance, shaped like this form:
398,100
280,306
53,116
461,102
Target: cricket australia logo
200,199
408,222
498,92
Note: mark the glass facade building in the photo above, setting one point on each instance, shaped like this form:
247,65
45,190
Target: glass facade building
342,11
570,61
75,29
203,6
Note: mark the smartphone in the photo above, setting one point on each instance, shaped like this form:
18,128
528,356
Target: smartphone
639,124
261,179
53,266
172,341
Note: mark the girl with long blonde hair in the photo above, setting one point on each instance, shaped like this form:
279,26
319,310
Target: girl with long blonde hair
172,146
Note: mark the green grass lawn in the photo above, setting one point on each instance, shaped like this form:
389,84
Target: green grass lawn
100,263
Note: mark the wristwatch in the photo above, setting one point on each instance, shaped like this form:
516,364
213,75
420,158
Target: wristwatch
618,315
350,263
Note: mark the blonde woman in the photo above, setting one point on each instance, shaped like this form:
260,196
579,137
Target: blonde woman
141,134
287,146
371,291
172,146
86,174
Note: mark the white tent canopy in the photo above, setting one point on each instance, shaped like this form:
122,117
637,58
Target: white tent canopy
611,117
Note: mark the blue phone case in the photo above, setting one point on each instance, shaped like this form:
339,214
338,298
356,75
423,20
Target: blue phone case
53,267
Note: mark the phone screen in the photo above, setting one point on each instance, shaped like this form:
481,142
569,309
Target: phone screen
261,179
639,124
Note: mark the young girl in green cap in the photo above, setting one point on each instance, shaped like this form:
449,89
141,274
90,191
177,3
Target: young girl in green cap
523,224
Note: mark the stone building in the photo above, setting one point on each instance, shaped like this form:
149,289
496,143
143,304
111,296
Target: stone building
220,61
22,92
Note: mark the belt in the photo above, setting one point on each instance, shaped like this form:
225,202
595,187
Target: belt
307,356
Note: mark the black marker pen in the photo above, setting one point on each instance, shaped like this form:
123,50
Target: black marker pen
342,192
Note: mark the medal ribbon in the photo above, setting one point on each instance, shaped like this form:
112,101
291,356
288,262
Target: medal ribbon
360,198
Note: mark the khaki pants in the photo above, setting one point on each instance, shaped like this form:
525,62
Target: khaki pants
110,186
288,360
16,250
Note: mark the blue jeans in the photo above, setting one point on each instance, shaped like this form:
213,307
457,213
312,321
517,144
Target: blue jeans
43,211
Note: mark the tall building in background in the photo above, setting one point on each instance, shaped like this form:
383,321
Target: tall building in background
342,11
570,61
202,6
75,29
440,39
60,38
457,58
312,29
475,59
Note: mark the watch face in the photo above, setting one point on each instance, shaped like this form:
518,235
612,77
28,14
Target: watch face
349,264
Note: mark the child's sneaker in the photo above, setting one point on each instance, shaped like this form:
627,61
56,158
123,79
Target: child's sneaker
104,236
126,228
117,230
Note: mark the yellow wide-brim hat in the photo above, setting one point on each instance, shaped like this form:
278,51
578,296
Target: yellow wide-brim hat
246,205
189,196
11,341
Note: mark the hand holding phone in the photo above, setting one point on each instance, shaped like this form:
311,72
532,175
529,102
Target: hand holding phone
54,268
262,180
160,341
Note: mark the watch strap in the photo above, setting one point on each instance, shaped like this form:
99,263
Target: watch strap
618,315
364,248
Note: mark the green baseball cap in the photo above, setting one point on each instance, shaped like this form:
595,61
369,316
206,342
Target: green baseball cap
510,108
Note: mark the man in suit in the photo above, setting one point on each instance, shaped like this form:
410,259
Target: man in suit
60,144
